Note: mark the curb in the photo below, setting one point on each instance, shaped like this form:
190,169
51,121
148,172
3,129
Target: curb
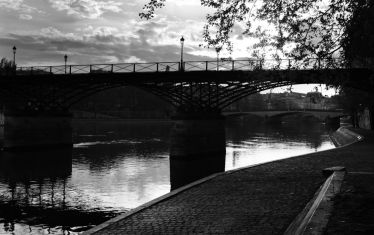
314,217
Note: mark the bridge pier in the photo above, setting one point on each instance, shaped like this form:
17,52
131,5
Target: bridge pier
30,130
197,135
197,147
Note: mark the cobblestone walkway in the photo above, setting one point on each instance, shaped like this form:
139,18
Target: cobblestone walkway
258,200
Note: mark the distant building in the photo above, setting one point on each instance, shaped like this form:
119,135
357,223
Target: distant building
297,101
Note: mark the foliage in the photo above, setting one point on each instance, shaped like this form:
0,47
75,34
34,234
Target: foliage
359,50
294,28
7,66
353,100
359,43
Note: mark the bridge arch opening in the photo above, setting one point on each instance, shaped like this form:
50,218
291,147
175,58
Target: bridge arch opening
123,102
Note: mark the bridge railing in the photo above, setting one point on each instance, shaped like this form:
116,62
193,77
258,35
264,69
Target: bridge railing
217,65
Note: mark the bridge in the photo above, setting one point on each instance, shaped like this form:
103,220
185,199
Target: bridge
37,98
320,114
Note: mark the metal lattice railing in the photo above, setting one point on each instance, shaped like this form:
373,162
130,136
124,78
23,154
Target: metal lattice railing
186,66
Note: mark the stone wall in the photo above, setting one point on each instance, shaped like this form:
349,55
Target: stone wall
343,136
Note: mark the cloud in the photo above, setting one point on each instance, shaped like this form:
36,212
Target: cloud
94,45
19,6
25,17
98,31
86,9
134,59
104,44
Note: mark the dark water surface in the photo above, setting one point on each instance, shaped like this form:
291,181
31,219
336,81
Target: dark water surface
118,165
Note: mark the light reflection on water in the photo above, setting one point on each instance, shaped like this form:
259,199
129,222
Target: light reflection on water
240,156
263,143
116,166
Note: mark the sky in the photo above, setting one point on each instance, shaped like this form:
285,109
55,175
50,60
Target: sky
108,31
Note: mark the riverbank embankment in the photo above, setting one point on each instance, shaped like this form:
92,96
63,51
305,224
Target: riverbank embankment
263,199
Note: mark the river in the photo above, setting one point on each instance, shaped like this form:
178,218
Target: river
115,166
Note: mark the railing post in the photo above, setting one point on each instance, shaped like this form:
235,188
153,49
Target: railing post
319,63
156,67
69,69
206,65
289,63
179,66
111,68
260,63
90,68
134,69
233,65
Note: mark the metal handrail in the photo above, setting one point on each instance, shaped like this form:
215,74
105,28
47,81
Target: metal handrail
213,65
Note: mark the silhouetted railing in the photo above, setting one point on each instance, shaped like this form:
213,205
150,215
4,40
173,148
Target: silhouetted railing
221,65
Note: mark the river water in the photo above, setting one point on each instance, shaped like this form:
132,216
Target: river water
118,165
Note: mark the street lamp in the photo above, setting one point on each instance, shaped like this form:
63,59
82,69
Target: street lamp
218,49
14,55
182,44
66,59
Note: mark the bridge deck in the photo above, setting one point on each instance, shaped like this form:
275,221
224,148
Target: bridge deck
258,200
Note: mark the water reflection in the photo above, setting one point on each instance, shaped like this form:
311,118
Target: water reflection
17,167
250,143
292,131
33,190
116,165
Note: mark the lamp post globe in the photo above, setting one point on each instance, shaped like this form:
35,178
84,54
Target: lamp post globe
182,44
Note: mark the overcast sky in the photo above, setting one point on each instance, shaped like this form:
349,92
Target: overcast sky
105,31
99,31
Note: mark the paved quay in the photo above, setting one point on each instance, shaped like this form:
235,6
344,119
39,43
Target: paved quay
263,199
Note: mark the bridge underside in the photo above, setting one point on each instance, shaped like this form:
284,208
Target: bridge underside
206,91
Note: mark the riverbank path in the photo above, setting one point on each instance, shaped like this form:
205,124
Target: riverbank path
263,199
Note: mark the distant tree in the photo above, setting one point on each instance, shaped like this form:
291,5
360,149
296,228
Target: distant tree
299,29
7,67
253,102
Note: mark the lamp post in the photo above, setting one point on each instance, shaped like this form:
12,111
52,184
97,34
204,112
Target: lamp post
182,44
14,57
218,49
66,59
